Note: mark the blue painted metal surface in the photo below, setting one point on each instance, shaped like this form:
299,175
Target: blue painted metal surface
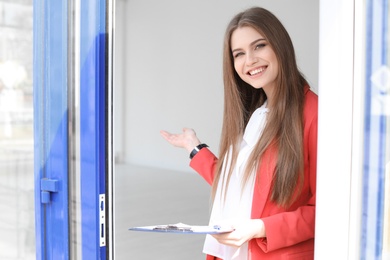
51,127
377,66
47,187
93,154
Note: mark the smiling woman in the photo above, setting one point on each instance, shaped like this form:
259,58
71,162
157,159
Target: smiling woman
182,77
175,68
264,178
255,60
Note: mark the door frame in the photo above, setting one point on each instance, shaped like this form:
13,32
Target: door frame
72,60
346,54
50,129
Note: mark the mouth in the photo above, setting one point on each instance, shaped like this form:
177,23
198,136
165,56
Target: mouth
256,71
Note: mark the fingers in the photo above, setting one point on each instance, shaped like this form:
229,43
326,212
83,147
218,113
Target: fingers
230,238
187,139
188,131
166,135
174,139
233,239
244,230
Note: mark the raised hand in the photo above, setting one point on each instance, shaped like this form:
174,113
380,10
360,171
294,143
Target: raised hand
187,139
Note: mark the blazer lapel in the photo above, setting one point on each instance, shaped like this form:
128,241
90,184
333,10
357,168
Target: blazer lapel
263,183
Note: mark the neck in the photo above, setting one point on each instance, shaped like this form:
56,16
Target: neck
270,97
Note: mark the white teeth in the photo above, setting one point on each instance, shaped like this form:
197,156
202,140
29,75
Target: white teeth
256,71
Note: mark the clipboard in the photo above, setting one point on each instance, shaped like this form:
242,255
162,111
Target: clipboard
184,229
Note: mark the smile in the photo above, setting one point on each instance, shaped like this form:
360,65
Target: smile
256,71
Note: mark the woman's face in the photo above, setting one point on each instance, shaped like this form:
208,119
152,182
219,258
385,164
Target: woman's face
254,60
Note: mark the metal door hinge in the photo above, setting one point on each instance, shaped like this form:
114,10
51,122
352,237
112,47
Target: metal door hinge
102,219
48,186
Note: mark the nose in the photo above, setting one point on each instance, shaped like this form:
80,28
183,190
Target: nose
251,58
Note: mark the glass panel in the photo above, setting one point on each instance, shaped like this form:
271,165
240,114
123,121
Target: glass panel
17,240
376,189
386,229
386,226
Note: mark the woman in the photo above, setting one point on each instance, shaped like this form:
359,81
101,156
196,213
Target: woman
264,182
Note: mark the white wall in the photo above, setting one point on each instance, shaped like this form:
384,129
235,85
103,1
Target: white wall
119,79
168,70
335,129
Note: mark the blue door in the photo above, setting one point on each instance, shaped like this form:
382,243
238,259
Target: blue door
72,128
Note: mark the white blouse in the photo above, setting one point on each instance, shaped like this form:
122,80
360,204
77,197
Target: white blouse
235,206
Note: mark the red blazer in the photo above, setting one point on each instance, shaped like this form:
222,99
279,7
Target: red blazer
290,233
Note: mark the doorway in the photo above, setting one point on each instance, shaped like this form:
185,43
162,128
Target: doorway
168,75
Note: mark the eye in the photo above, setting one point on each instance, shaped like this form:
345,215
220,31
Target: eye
237,54
260,45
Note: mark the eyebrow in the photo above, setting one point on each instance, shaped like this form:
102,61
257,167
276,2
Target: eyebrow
251,44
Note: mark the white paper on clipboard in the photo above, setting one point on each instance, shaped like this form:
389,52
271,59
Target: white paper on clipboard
184,229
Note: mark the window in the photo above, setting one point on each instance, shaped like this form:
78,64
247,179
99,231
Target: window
17,239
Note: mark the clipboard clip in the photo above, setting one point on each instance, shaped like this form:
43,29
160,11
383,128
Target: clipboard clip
176,227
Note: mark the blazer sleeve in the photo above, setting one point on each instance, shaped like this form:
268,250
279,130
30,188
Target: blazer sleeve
292,227
204,163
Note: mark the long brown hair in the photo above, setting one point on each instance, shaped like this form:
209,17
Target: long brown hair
284,128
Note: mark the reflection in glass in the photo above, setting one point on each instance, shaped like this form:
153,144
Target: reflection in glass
17,240
376,189
386,229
